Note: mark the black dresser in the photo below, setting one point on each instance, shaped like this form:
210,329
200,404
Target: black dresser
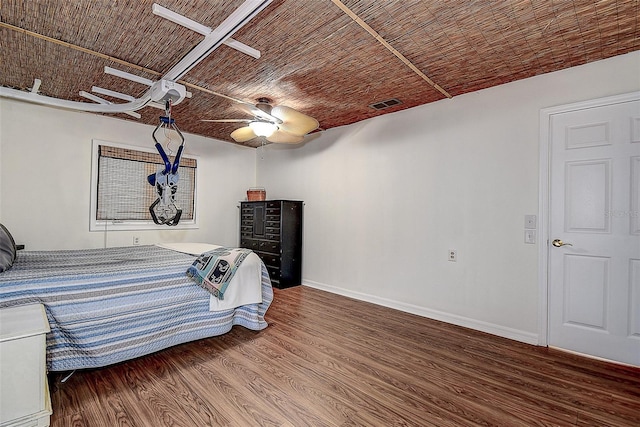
273,230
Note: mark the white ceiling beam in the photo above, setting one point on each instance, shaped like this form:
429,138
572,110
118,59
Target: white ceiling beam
172,16
105,102
213,40
202,29
36,85
112,93
241,47
36,98
128,76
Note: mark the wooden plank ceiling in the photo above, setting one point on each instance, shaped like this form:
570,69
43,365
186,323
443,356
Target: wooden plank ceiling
317,55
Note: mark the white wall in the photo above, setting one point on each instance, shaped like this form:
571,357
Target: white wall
386,198
45,171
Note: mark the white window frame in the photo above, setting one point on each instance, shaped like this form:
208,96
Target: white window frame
122,225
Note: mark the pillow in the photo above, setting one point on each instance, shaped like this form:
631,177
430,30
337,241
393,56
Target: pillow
7,249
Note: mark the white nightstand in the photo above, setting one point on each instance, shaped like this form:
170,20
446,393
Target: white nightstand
24,391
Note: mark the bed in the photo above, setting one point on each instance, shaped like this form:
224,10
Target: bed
106,306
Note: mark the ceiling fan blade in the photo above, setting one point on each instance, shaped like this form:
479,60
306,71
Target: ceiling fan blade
243,134
283,137
264,115
247,108
293,121
227,120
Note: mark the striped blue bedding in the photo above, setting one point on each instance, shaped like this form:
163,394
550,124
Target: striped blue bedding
109,305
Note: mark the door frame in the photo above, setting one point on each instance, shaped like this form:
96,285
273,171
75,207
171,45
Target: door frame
544,202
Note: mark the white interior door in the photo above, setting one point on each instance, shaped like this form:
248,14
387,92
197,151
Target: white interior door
594,219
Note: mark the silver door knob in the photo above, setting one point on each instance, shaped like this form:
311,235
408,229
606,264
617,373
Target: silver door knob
558,243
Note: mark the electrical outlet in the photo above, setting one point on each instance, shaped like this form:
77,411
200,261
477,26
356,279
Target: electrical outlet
452,255
136,240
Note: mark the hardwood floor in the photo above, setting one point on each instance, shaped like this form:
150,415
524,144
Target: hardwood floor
327,360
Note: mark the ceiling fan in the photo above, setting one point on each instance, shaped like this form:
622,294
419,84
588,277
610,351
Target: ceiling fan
276,123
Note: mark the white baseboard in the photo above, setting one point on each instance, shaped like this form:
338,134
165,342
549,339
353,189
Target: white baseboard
490,328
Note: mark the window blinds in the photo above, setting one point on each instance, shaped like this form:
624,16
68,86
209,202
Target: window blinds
123,192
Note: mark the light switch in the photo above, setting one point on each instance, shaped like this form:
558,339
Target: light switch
530,222
530,236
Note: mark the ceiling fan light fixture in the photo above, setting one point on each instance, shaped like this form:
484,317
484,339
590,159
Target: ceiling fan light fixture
263,128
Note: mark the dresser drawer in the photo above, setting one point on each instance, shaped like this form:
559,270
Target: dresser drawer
254,245
270,260
274,237
272,230
269,246
273,204
274,275
273,219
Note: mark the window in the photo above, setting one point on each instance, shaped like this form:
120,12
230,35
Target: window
121,194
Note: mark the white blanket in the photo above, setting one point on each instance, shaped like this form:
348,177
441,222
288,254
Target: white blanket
245,286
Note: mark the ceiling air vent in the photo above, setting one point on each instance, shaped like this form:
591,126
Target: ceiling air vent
385,104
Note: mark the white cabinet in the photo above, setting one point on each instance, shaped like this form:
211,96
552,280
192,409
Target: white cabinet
24,392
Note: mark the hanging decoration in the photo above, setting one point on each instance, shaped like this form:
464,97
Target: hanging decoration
164,210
